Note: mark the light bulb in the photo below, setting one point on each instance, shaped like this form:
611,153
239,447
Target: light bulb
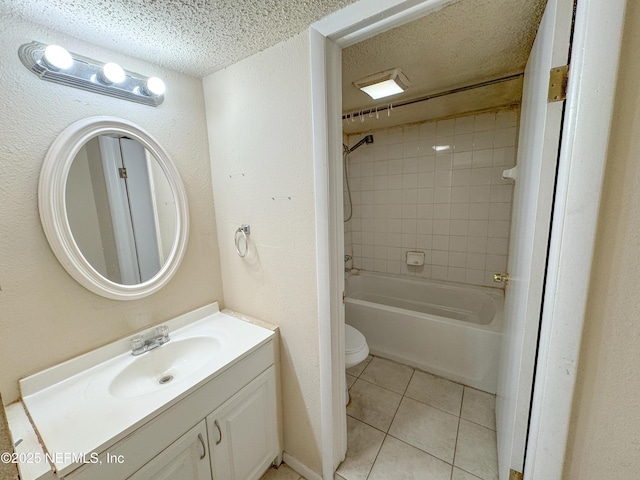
155,86
113,73
57,57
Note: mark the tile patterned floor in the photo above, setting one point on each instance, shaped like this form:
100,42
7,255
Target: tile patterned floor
404,424
407,424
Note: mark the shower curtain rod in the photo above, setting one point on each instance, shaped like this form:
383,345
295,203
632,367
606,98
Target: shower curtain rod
382,108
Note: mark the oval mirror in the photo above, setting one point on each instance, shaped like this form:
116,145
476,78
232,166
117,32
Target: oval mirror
113,208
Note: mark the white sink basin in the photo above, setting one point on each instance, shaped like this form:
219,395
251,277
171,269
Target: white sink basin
91,402
165,365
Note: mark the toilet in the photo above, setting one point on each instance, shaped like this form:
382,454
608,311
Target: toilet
356,349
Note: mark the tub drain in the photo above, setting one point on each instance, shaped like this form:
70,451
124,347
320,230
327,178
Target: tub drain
165,379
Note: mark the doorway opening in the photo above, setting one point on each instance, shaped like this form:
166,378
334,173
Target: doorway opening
430,209
327,39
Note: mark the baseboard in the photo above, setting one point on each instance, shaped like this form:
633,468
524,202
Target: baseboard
300,467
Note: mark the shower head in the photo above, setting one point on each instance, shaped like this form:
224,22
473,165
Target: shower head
367,139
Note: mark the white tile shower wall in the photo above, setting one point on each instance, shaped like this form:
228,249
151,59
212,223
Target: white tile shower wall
435,187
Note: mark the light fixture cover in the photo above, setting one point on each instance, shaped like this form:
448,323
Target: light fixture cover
155,86
113,73
57,57
383,84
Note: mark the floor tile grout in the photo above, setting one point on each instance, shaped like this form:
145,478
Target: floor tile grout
413,372
387,434
402,397
369,425
455,450
420,401
418,448
473,475
427,404
376,459
415,369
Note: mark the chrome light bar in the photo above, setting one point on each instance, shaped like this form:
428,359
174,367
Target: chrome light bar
88,74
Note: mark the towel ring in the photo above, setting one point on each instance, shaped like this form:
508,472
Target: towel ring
243,230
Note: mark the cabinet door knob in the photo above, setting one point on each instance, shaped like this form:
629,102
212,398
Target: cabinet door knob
204,448
219,432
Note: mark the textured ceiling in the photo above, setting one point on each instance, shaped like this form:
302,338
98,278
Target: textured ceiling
468,42
196,37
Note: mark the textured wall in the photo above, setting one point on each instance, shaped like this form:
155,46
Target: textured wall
604,441
260,137
45,316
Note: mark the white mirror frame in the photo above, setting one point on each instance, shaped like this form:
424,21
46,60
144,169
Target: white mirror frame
53,213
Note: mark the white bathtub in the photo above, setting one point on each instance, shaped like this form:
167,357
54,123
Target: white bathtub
447,329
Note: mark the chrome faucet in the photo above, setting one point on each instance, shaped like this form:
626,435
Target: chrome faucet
139,345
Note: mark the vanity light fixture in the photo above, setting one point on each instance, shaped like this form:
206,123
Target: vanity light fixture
57,57
111,73
154,86
55,64
383,84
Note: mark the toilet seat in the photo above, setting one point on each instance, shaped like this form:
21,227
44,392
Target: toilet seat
356,348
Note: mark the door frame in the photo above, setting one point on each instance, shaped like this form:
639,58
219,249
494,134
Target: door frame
588,112
125,244
538,147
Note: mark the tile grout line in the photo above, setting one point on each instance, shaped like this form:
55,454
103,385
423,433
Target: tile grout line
399,403
367,424
391,423
403,396
409,444
385,434
478,424
377,455
464,389
455,450
413,372
420,449
425,403
472,474
471,421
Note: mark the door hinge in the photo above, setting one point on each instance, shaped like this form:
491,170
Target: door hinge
513,475
344,295
122,172
558,79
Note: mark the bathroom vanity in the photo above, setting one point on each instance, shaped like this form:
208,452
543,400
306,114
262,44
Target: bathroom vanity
202,405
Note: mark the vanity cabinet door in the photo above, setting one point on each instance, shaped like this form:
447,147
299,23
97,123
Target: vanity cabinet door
243,432
186,458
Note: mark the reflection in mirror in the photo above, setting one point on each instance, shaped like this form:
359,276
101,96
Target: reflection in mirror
121,209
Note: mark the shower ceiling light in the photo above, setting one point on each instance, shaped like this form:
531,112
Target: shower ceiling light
76,71
383,84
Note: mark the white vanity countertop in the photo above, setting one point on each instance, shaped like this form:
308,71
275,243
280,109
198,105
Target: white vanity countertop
75,411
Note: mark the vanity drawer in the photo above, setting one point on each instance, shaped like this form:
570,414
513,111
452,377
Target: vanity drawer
125,457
